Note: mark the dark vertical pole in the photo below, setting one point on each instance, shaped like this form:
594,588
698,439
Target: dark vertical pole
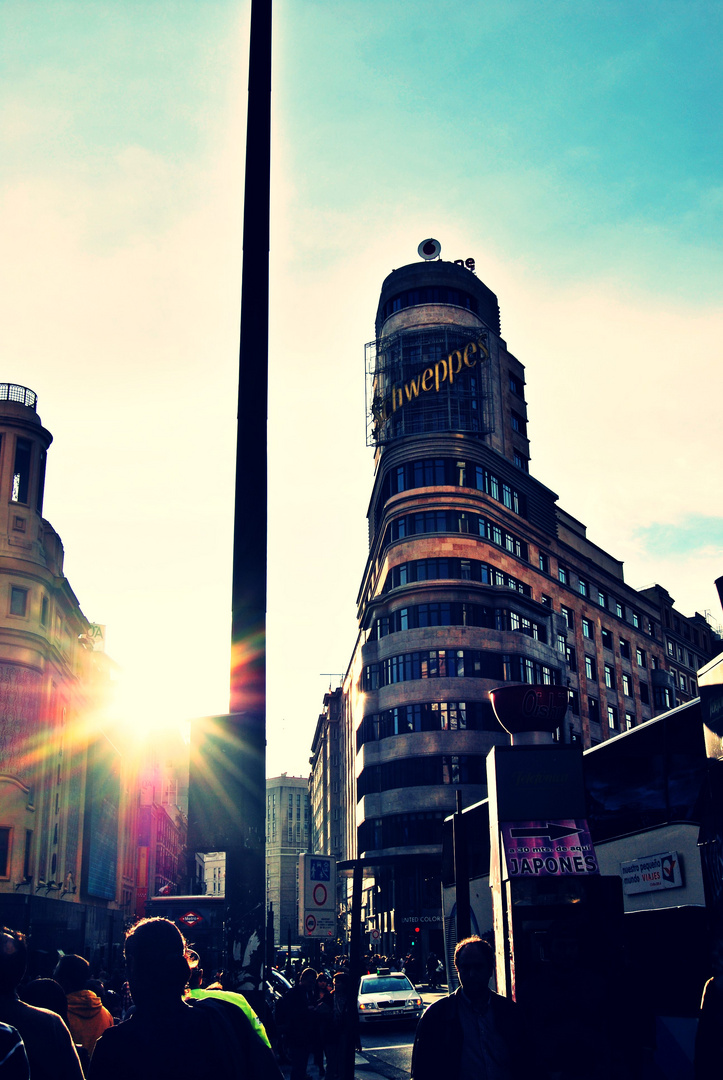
245,876
461,872
349,1045
248,628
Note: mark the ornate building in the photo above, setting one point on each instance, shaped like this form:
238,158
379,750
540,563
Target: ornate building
60,788
475,577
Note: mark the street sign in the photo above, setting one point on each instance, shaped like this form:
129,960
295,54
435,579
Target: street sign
652,873
317,896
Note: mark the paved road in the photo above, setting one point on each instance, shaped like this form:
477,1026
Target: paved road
386,1048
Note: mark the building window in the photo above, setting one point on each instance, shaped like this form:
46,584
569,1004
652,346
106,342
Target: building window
629,721
619,610
4,852
609,677
640,657
671,648
602,598
562,575
607,638
571,658
588,630
561,643
593,710
21,471
627,685
569,616
18,600
590,669
612,717
546,600
644,693
574,702
516,385
519,423
583,587
624,649
636,620
544,563
522,462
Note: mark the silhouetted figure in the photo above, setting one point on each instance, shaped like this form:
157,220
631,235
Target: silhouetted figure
167,1037
296,1020
13,1059
47,1040
48,994
473,1032
87,1017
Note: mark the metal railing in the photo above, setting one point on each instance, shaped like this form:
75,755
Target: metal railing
21,394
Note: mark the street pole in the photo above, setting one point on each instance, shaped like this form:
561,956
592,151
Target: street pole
245,866
461,872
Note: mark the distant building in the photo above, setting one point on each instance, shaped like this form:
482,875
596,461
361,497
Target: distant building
288,834
211,872
475,577
62,812
327,761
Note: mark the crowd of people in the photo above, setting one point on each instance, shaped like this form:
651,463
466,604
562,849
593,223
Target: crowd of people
158,1019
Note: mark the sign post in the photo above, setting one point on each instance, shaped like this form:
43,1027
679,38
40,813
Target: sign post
317,896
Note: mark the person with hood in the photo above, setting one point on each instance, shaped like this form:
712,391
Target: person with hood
87,1016
50,1050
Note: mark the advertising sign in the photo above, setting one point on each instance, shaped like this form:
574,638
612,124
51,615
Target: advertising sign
651,873
317,896
559,848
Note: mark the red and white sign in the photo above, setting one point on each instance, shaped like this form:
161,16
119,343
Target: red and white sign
190,919
317,896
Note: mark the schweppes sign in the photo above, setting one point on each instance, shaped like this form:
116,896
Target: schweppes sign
432,379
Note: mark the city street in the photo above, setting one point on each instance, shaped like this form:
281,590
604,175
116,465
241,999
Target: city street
386,1048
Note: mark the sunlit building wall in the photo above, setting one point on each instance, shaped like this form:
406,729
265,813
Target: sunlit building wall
60,786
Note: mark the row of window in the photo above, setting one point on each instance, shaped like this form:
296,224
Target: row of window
454,521
593,712
429,294
401,830
455,663
427,771
686,683
427,716
457,569
599,596
677,652
449,472
455,614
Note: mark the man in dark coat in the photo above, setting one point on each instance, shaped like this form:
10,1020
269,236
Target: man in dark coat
48,1042
473,1032
167,1037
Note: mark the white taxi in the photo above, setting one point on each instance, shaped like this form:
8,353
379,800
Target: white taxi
388,995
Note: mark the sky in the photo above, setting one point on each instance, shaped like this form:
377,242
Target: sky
571,147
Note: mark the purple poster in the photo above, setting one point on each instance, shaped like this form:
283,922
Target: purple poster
557,848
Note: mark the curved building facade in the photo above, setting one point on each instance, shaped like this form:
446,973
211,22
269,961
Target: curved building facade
475,577
446,609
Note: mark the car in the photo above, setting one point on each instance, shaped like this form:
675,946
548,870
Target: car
388,995
276,986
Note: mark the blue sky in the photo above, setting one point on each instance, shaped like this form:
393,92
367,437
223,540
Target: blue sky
573,149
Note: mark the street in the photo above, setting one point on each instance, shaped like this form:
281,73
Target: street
386,1048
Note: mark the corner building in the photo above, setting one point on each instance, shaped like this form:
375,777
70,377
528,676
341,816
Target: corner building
475,577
